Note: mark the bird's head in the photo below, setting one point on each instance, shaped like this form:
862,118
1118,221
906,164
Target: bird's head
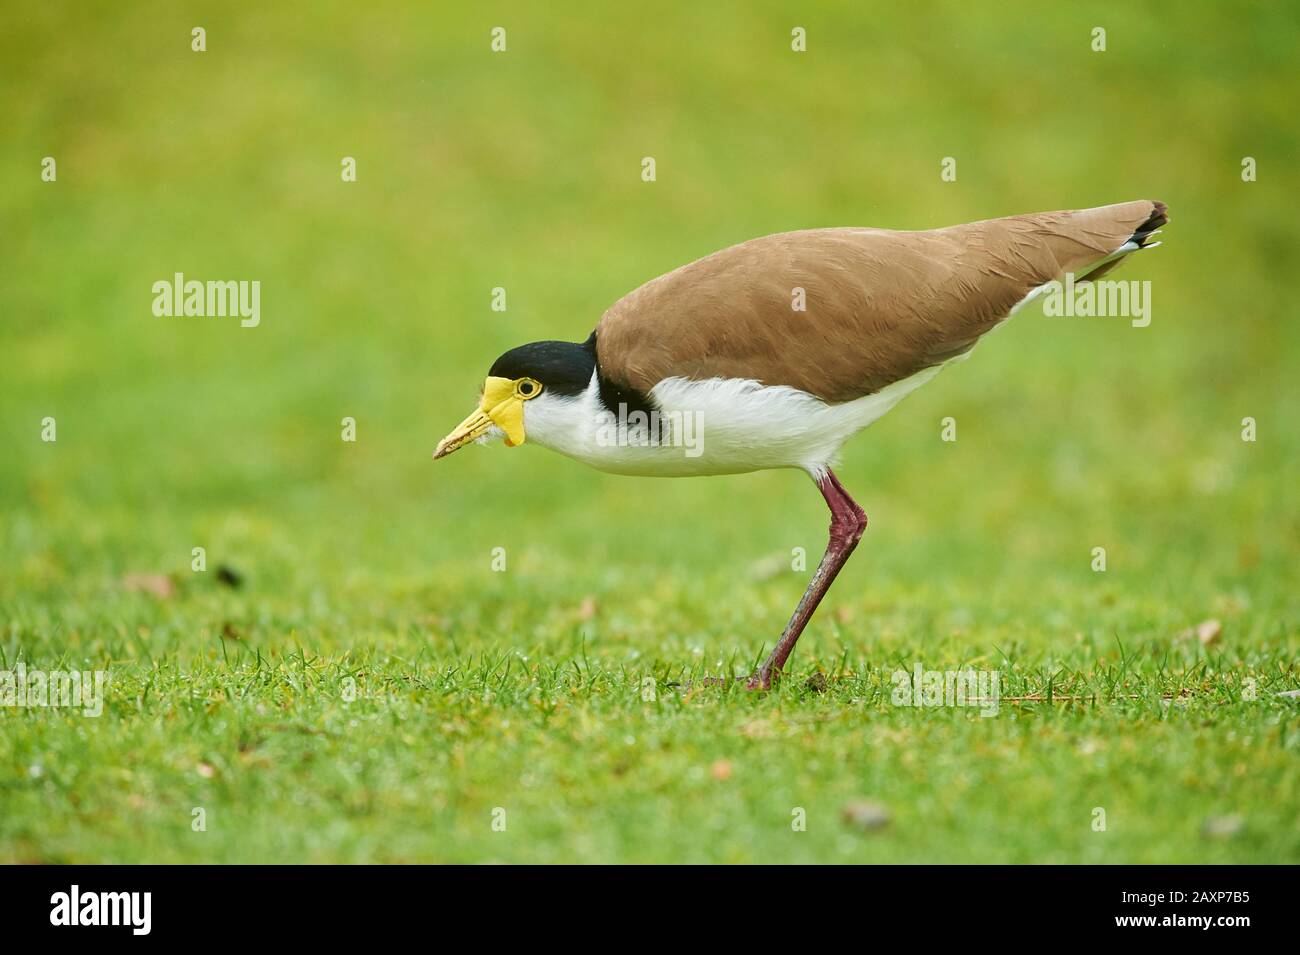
524,387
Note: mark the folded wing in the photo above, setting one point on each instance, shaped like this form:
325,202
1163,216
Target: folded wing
877,305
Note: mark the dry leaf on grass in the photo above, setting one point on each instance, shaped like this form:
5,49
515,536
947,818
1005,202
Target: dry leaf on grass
866,815
160,585
1207,631
817,682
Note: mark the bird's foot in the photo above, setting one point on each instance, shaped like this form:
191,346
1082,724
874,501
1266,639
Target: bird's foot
760,681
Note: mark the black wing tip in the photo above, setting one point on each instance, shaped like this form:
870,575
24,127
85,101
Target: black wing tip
1159,217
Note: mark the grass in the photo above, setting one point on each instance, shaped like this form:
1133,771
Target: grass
375,690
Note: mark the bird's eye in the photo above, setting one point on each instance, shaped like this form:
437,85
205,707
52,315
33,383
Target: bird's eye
528,388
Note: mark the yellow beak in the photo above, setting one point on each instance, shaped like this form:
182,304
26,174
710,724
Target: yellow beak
500,406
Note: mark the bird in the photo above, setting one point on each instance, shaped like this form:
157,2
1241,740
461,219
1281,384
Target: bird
775,352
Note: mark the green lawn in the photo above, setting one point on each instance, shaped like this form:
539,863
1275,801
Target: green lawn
376,691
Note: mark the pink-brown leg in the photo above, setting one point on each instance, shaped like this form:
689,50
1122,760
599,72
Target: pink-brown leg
848,521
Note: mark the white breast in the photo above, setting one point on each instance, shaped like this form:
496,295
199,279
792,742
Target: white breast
716,426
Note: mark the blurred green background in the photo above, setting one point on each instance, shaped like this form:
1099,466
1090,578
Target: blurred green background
522,169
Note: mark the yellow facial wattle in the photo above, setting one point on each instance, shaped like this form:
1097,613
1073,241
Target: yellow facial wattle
502,405
505,408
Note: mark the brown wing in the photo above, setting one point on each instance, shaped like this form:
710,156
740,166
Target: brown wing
880,305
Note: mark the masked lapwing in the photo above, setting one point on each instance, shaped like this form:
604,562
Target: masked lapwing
774,352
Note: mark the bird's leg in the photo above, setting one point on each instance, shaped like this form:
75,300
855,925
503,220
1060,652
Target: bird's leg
848,521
